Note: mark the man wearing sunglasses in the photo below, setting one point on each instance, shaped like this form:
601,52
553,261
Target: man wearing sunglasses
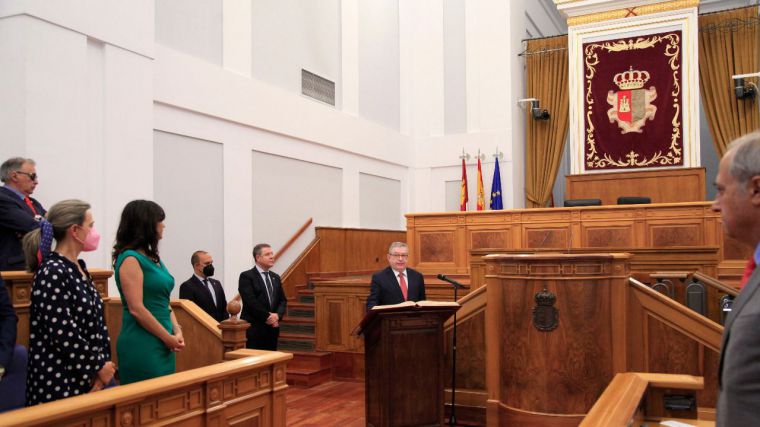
19,212
396,283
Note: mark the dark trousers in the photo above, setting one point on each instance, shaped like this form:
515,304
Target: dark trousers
13,384
261,336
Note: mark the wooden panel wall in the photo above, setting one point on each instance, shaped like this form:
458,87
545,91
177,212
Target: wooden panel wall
245,392
341,250
442,242
662,185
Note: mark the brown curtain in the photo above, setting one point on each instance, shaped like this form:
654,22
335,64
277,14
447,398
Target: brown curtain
547,76
728,44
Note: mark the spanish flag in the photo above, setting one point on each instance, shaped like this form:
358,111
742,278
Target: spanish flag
481,192
463,198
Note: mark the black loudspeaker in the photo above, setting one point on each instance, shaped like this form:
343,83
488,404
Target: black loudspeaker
582,202
631,200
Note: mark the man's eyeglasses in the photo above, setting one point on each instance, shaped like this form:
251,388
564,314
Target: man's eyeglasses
31,175
399,255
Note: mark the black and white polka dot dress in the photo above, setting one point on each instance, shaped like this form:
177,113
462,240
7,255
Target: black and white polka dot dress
68,338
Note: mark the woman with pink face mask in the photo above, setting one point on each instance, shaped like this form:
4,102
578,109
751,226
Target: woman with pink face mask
69,348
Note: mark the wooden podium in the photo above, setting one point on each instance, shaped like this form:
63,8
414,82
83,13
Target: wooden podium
404,375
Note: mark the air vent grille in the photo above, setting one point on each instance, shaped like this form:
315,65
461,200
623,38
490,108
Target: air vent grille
317,87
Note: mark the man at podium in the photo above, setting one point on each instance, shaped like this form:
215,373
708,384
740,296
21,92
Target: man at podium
396,283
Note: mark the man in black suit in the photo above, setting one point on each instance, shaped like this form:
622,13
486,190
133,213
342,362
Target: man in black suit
264,300
19,213
205,292
396,283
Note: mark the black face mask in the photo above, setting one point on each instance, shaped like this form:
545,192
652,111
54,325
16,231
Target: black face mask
208,270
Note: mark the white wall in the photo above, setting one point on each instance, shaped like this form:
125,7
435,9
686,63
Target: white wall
87,88
191,26
290,35
286,193
81,106
380,202
188,184
378,61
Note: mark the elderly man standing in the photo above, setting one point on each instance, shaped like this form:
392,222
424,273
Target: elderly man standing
19,213
396,283
738,202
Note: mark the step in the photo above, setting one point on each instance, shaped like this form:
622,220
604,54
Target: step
287,344
300,327
307,377
305,299
315,360
297,309
292,336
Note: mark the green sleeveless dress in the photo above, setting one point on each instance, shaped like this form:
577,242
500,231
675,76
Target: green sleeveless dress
141,355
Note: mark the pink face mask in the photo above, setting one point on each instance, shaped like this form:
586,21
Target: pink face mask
91,242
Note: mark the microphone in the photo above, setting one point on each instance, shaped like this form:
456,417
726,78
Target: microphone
452,281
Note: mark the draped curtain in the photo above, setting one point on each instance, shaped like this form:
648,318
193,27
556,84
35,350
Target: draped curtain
728,45
547,80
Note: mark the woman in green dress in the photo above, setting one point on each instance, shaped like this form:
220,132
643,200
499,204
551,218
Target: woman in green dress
150,334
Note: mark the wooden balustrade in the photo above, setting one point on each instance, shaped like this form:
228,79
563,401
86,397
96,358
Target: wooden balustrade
247,390
637,398
19,284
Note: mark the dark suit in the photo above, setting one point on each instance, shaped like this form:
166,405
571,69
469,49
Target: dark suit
13,384
8,322
385,288
739,371
16,219
194,290
256,308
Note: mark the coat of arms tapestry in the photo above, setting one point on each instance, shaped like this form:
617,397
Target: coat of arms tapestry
632,106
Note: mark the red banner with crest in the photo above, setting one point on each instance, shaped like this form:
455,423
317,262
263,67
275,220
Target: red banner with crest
632,102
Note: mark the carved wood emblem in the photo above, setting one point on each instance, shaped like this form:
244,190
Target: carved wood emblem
545,315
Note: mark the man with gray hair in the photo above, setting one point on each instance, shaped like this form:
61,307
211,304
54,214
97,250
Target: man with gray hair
738,201
19,213
396,283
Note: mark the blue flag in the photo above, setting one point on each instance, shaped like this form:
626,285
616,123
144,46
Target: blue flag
496,203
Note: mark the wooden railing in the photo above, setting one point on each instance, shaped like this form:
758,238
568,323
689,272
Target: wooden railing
292,239
342,251
249,390
19,284
715,284
634,398
203,338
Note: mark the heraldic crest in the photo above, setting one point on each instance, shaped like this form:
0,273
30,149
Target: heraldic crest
632,104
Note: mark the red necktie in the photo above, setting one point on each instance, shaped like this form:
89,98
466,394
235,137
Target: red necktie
30,204
402,282
748,271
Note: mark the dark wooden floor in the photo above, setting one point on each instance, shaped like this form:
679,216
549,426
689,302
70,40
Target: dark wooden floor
329,404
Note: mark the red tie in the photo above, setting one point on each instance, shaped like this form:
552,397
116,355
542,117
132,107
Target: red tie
402,282
29,203
748,271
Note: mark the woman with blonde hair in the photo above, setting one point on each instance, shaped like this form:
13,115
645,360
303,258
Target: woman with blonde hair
69,348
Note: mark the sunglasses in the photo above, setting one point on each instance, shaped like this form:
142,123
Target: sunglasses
32,175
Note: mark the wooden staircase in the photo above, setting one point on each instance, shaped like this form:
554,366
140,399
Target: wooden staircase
297,336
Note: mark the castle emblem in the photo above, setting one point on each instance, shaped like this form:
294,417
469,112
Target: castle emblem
631,105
